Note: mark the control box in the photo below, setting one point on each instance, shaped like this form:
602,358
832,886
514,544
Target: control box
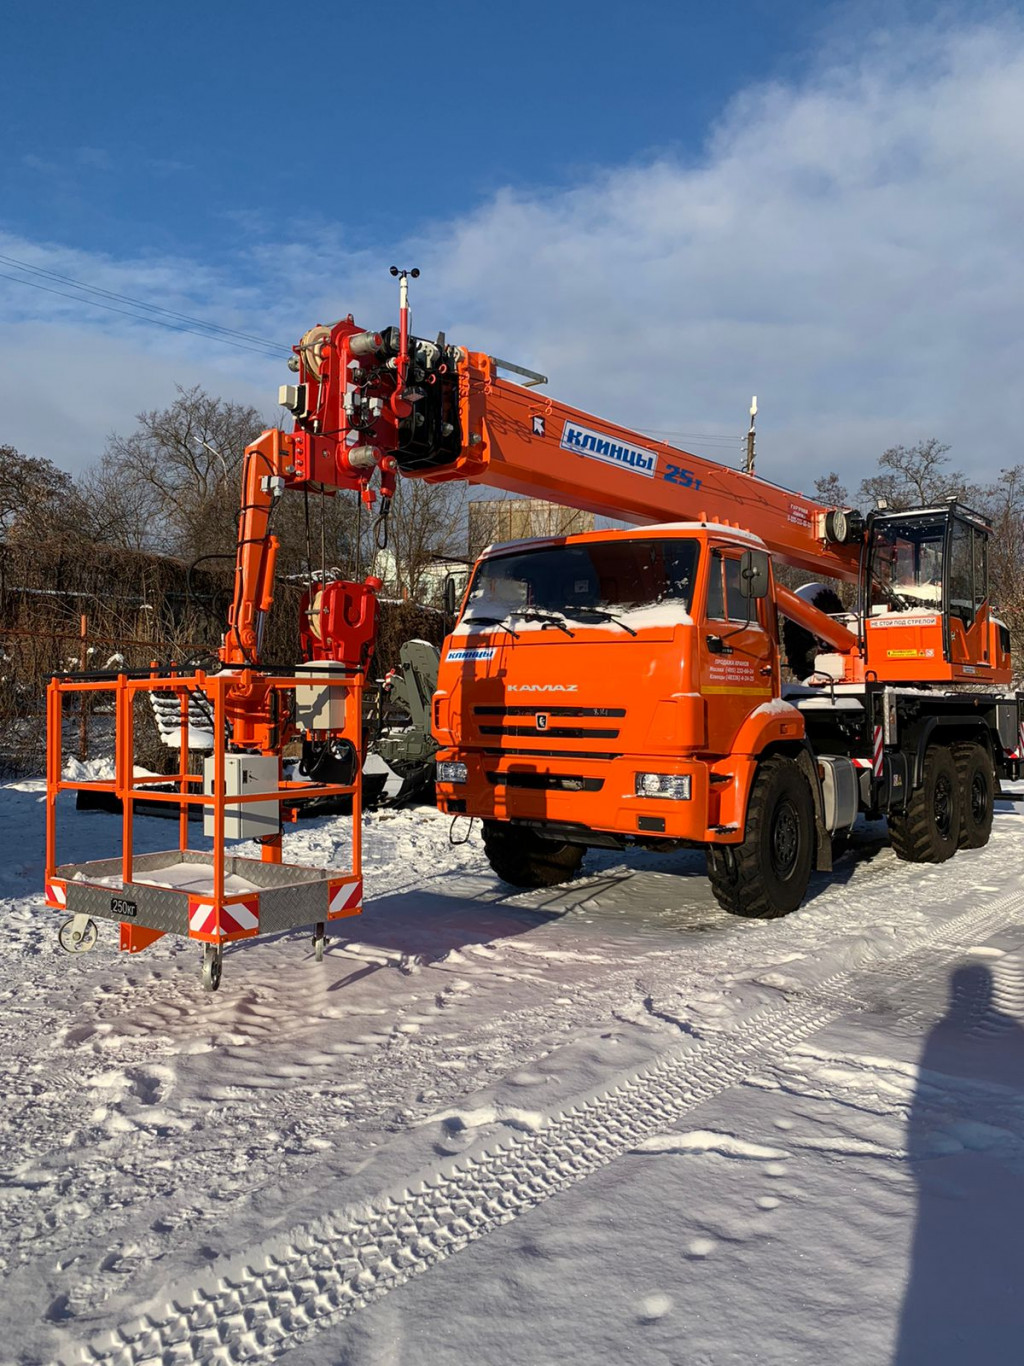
244,774
320,706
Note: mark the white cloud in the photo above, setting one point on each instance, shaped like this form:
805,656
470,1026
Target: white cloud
849,250
846,247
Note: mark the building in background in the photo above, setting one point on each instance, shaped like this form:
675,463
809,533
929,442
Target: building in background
492,520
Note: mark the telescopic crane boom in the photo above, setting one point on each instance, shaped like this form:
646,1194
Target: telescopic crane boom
382,404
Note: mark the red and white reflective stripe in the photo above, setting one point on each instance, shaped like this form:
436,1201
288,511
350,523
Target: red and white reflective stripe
861,763
240,915
344,896
877,751
57,893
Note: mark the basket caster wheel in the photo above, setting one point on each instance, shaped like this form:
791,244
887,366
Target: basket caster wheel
78,935
213,958
319,942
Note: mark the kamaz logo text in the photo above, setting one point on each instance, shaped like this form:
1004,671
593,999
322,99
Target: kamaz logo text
543,687
599,447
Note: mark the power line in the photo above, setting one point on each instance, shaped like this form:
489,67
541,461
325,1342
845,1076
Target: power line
137,303
139,317
186,323
695,438
230,336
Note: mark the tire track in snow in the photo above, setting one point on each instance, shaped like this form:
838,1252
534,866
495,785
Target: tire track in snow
284,1293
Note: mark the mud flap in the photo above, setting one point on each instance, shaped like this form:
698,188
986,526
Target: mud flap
822,840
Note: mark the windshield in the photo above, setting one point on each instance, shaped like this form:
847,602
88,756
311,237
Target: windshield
585,580
906,563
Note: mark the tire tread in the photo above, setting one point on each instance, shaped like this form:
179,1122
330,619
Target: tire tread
914,835
738,879
523,858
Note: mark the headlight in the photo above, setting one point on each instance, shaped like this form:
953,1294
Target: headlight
448,771
675,786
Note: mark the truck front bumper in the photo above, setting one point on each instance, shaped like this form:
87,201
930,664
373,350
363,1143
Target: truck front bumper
598,795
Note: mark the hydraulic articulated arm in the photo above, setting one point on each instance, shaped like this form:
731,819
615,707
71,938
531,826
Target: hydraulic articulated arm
263,482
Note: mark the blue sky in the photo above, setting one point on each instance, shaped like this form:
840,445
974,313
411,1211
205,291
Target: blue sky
665,207
184,125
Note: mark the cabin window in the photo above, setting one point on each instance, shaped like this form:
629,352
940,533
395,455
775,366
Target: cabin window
724,601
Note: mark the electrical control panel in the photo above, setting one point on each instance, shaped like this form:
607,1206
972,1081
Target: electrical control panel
244,775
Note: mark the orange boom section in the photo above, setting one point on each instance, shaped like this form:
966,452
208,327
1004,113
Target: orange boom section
455,418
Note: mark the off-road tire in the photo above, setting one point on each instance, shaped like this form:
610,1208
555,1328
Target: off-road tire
766,876
977,794
799,644
521,856
929,830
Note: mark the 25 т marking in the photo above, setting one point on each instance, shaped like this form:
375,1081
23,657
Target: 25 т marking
675,474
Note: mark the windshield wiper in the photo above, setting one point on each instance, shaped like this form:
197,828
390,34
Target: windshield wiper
601,615
490,621
548,618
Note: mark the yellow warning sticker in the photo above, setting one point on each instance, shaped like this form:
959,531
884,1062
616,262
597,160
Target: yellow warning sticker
903,654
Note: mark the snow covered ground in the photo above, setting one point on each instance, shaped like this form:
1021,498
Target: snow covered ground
601,1123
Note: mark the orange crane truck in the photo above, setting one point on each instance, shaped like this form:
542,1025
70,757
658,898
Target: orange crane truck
625,687
622,687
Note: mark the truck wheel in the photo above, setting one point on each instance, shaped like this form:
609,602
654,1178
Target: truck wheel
929,829
766,876
977,794
524,858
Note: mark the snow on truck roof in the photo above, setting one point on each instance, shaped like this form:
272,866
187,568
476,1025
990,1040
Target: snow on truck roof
636,532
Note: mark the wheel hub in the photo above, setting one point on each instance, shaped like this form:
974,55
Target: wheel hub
979,799
943,806
785,839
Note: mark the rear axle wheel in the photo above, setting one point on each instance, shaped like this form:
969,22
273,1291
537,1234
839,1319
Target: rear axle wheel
977,794
929,830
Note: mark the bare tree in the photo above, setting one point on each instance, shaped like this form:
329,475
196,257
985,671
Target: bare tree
37,500
830,490
426,521
914,476
172,484
1003,502
120,508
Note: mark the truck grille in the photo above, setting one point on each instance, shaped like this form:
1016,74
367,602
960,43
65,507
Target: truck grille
521,722
587,754
555,732
547,782
550,711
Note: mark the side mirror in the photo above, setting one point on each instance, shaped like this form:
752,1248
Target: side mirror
754,574
451,601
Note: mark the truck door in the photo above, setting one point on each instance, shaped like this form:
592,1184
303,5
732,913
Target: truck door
737,655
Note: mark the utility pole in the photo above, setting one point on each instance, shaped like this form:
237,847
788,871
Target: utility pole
749,466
